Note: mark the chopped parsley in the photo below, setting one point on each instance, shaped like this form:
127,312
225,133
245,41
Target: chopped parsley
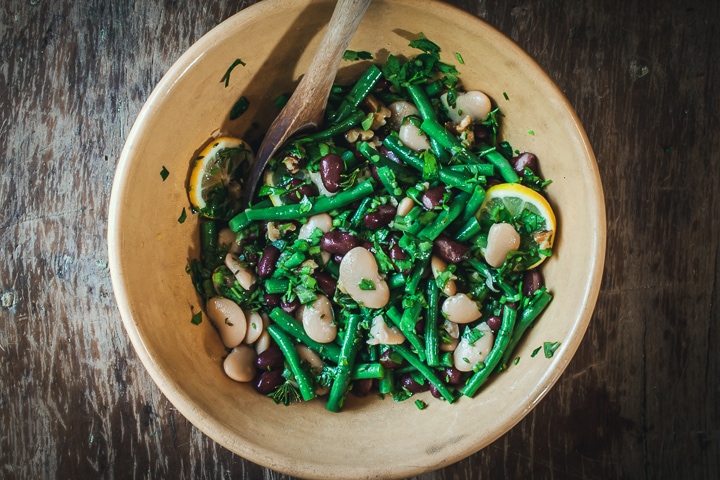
164,173
535,352
196,318
549,348
420,404
352,55
239,108
183,216
226,78
366,284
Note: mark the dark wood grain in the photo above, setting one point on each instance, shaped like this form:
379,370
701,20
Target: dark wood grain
639,400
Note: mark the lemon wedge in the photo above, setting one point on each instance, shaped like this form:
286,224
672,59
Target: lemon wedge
214,188
527,210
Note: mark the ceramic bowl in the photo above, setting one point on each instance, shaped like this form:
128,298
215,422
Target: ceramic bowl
149,248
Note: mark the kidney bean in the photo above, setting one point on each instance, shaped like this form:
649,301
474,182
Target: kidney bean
268,261
494,323
382,216
433,197
434,391
532,281
272,300
361,387
450,250
269,381
390,360
453,376
407,381
332,168
271,359
480,131
526,159
373,172
290,307
299,189
326,283
338,242
389,154
397,253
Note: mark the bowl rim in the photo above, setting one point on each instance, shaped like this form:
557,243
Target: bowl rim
209,425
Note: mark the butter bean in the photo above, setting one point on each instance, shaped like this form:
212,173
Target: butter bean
245,276
473,103
255,327
359,268
318,320
461,309
468,354
438,266
323,221
383,334
240,364
502,239
229,319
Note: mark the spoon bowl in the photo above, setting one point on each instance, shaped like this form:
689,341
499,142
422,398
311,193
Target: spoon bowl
305,109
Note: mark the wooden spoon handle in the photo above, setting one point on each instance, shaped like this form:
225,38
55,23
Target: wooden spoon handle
306,107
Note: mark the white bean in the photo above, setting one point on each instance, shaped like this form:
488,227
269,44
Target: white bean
468,354
240,364
502,239
317,319
323,221
413,138
245,277
229,319
438,266
460,309
255,327
359,277
405,205
473,103
399,111
453,331
228,239
316,364
263,343
383,334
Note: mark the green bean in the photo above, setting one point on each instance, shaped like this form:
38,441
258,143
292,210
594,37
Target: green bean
496,353
348,352
329,351
426,371
501,163
445,218
534,308
357,93
386,384
319,204
276,285
354,119
434,130
303,380
363,208
432,348
468,230
473,204
406,323
365,371
208,243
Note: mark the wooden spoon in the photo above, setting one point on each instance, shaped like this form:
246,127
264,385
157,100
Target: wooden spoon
306,107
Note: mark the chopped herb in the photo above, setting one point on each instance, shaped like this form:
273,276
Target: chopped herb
281,100
367,123
549,348
352,55
460,59
226,77
196,318
366,284
535,352
420,404
164,173
531,132
183,216
239,108
516,361
286,394
506,96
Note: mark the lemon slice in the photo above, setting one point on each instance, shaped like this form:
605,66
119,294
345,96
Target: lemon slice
214,187
527,210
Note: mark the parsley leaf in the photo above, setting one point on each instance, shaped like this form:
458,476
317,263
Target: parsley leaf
164,173
196,318
226,77
549,348
352,55
183,216
366,284
239,108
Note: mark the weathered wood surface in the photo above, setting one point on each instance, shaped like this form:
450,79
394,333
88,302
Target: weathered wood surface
639,400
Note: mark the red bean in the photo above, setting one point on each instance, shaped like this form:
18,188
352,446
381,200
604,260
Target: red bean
435,392
453,376
408,382
494,323
332,168
450,250
361,387
338,242
268,261
326,283
299,190
290,307
390,360
433,197
526,159
397,253
271,359
381,217
389,154
272,300
532,281
269,381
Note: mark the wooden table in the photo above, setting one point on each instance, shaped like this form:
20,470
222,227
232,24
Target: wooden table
639,400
